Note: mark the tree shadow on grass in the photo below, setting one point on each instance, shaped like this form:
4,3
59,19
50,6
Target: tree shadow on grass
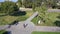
19,13
2,15
58,17
57,23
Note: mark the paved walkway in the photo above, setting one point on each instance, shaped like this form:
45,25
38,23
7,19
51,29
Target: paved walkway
53,10
16,29
49,10
19,29
25,9
47,28
3,27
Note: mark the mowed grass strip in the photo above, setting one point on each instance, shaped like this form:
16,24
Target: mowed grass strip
45,32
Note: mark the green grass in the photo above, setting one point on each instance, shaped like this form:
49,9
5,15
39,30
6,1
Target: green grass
52,16
2,31
9,19
45,32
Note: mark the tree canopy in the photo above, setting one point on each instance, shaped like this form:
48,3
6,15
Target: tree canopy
8,7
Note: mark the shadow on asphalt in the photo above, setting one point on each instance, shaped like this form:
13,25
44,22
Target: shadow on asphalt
7,32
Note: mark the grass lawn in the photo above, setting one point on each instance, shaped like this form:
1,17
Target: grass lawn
53,17
2,31
45,32
9,19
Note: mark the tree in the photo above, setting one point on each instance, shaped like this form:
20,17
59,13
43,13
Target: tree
27,3
36,3
0,9
50,3
8,7
19,3
42,10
